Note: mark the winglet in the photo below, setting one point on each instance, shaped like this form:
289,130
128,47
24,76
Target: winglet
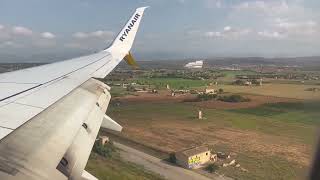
123,42
130,60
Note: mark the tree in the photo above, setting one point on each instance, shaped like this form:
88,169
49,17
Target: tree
238,82
130,88
212,168
106,150
220,91
172,158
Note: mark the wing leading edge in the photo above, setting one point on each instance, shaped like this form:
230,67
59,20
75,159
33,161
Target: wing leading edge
29,99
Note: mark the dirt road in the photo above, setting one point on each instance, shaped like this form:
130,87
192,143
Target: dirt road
159,166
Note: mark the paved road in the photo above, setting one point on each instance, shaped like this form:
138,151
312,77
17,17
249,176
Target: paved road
159,166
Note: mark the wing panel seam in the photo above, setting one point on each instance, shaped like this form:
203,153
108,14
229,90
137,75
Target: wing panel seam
21,92
7,128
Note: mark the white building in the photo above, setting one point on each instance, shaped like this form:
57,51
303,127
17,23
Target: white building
194,65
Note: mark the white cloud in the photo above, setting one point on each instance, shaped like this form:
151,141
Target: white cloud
213,34
269,34
19,30
229,32
10,44
47,35
213,3
95,34
309,27
101,33
1,27
269,7
80,35
227,28
285,28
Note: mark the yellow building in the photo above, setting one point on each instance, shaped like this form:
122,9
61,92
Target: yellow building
193,158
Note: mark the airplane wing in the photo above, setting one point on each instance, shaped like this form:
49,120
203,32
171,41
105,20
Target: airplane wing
51,114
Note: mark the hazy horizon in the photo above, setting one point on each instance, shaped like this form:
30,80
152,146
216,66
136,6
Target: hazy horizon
175,29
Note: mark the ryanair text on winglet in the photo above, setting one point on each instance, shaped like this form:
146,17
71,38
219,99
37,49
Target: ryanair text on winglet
128,29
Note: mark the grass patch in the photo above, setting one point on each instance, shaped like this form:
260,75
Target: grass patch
295,91
259,166
174,83
115,168
263,167
117,91
295,112
281,119
286,120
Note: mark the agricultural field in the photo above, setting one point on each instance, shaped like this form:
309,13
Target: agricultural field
296,91
272,136
275,137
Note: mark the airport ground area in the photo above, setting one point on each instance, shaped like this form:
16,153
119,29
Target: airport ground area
270,130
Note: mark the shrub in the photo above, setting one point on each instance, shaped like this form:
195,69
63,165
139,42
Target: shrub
206,97
172,158
130,88
233,98
106,150
212,168
238,82
255,82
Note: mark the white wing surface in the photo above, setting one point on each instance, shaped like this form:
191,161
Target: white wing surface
30,97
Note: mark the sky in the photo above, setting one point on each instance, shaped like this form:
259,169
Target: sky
47,30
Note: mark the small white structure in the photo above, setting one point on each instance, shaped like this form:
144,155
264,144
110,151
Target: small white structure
213,157
103,140
210,91
200,114
194,65
248,83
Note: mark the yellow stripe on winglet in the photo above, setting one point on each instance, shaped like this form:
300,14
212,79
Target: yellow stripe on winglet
130,60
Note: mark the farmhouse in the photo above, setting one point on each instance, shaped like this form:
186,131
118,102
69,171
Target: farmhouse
210,91
248,83
193,158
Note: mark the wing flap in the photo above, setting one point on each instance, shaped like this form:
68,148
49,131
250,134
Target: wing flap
37,147
4,132
109,123
88,176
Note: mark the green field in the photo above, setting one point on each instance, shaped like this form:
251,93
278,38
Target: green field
285,89
265,167
175,83
295,91
230,75
289,128
115,168
295,122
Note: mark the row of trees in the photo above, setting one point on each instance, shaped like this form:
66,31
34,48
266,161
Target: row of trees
230,98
